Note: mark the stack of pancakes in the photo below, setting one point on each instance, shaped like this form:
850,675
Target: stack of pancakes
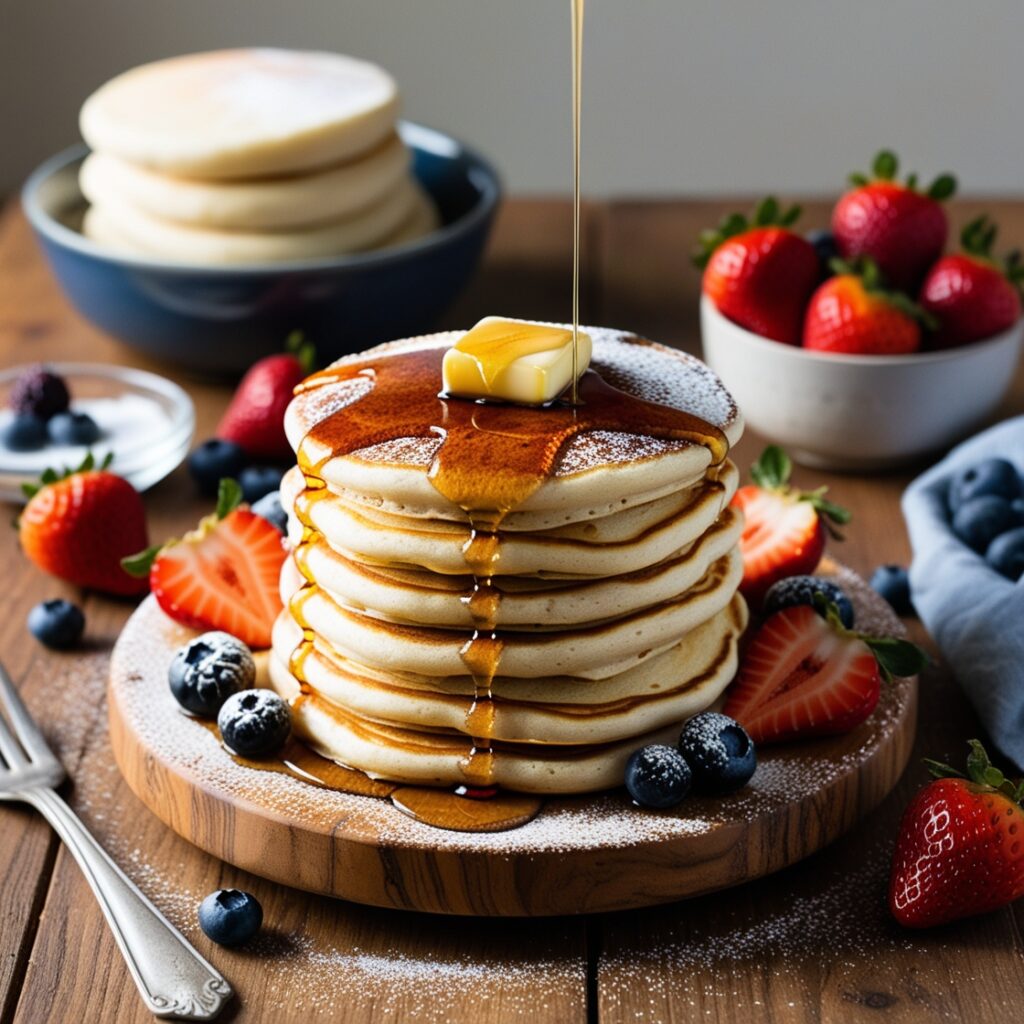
249,156
617,607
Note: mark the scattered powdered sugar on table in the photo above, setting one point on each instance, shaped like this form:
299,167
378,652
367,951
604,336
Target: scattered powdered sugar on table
837,921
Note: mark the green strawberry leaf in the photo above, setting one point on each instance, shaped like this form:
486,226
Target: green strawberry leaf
980,771
886,165
141,562
942,187
939,770
767,212
773,469
229,497
304,351
896,657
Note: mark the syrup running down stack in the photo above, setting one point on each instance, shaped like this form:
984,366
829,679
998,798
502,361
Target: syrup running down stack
494,595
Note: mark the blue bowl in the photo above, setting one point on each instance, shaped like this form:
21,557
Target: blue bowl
219,320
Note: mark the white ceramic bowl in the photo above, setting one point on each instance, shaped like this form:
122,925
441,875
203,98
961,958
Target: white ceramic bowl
859,412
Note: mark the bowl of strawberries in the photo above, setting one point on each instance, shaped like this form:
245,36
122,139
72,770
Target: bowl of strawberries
867,345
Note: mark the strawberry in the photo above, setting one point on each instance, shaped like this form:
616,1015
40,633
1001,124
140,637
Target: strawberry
959,850
255,418
80,525
805,674
784,529
970,295
760,276
223,575
852,314
902,230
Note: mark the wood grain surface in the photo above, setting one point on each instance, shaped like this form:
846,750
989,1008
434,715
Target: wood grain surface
809,944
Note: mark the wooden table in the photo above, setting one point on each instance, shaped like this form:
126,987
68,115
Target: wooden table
813,943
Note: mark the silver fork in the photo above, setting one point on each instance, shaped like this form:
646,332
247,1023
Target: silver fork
173,979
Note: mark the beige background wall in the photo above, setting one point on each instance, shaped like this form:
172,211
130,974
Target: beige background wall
681,96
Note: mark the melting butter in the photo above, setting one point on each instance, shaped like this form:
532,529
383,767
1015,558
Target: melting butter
514,361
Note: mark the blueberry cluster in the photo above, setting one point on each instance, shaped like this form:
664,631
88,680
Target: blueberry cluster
40,402
215,459
714,756
986,506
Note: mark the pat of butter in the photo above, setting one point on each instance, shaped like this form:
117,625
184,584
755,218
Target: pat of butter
514,360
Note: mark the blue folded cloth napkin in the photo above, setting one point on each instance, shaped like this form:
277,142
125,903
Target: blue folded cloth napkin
975,615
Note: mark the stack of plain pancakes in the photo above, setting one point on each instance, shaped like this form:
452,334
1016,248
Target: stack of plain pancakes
249,156
618,612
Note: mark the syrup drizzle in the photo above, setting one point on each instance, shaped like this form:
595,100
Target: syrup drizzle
577,96
463,811
490,460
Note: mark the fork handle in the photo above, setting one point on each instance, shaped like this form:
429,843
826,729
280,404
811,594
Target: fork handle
173,979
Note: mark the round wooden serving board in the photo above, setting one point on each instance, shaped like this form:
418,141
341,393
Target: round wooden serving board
579,855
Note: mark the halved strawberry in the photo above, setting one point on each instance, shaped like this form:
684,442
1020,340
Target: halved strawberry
784,529
807,675
223,575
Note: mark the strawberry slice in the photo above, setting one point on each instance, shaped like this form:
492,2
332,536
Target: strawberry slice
223,575
785,529
804,674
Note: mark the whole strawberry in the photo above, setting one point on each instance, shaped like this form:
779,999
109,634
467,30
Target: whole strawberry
78,527
904,231
970,294
255,418
784,529
760,276
959,851
853,314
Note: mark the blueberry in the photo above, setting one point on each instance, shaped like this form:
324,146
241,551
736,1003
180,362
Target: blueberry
1017,505
993,477
979,521
893,583
658,776
208,670
212,461
24,433
796,590
824,243
1006,553
259,481
719,752
230,917
73,428
254,723
58,624
269,507
38,392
